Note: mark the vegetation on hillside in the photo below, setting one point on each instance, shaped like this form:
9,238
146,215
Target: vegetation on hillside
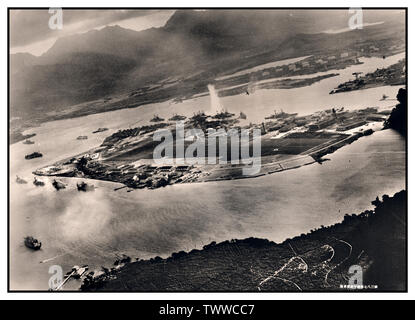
375,240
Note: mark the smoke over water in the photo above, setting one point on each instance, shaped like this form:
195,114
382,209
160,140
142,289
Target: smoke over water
215,105
86,216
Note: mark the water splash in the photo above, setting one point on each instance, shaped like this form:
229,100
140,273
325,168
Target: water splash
215,105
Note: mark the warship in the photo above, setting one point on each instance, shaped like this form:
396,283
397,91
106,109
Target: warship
33,155
177,117
280,115
83,186
100,130
38,183
58,185
156,118
32,243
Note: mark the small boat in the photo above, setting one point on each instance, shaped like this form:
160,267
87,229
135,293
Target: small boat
100,130
82,138
27,141
78,272
33,155
58,185
83,186
32,243
20,180
384,97
38,183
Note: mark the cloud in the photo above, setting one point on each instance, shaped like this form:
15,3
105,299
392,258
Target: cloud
31,26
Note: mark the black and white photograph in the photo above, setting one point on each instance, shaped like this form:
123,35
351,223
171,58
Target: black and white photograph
200,150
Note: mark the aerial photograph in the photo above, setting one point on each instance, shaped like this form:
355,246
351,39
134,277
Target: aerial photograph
207,150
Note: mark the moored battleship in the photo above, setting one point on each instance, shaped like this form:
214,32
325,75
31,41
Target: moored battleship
38,183
280,115
156,118
223,115
83,186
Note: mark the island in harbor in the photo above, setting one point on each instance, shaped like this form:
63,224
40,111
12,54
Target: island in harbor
288,141
393,75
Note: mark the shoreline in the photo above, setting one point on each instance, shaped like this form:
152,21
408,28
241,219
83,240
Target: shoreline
318,260
394,75
108,264
122,101
228,170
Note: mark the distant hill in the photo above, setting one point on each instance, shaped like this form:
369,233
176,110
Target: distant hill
99,63
112,40
21,61
75,78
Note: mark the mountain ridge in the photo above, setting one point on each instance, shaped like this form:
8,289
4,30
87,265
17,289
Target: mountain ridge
99,63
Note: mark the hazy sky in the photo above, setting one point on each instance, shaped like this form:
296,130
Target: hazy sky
30,32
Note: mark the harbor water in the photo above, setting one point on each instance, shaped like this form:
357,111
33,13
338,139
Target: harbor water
96,228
